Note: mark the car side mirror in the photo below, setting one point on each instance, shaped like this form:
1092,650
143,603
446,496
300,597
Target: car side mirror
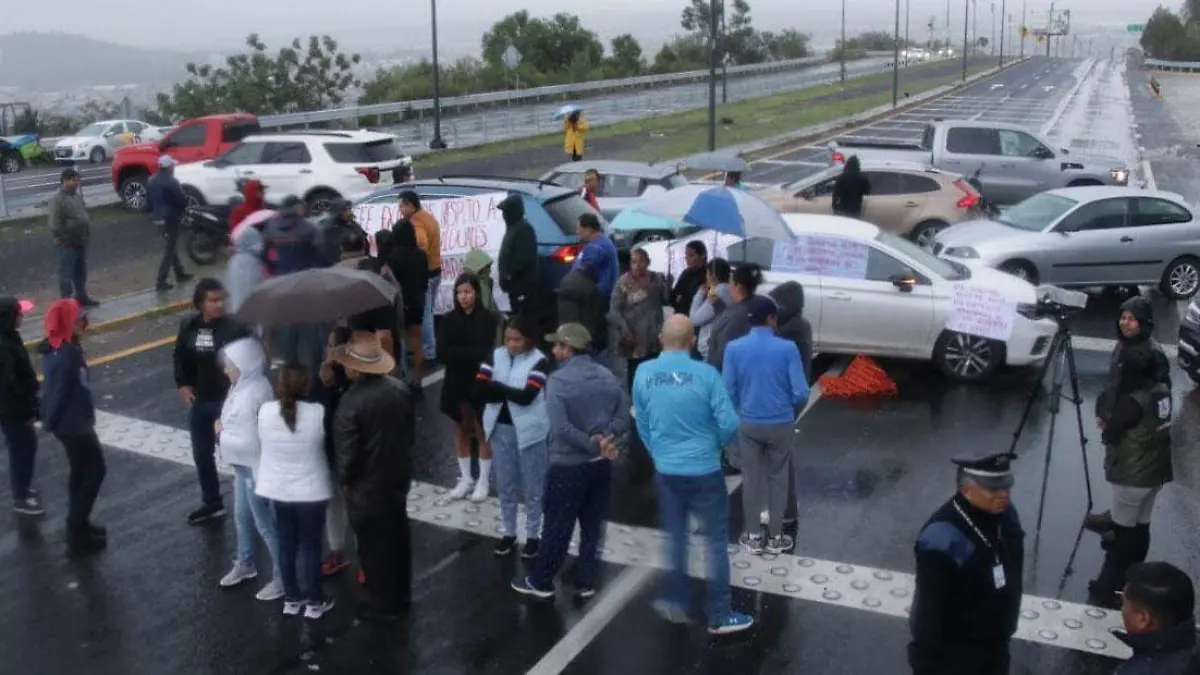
1043,152
904,282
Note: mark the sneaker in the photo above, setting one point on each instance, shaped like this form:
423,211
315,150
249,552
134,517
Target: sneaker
530,549
318,610
505,547
33,493
671,612
753,543
238,575
764,518
30,506
335,562
205,514
525,587
163,287
462,489
780,544
292,607
584,592
89,302
272,591
85,541
734,622
481,491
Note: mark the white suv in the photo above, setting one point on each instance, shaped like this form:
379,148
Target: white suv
317,166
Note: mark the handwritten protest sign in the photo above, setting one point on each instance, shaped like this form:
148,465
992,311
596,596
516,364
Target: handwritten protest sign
716,244
466,223
983,312
821,255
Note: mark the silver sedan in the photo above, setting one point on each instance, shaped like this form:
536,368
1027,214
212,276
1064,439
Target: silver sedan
1088,236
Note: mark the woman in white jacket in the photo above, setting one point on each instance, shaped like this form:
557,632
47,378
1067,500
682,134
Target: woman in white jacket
294,475
237,434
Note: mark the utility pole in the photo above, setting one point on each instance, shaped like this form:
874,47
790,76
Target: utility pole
436,143
975,26
907,44
1049,28
966,24
1003,27
896,60
992,40
1023,27
712,74
842,46
724,56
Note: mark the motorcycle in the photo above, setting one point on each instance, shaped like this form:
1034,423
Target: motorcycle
206,232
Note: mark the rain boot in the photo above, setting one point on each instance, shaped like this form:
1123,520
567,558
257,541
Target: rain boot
1141,546
1102,592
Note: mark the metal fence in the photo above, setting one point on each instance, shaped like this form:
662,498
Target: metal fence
1173,66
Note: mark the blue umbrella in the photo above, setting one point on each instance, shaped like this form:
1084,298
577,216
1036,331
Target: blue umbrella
567,110
632,220
735,212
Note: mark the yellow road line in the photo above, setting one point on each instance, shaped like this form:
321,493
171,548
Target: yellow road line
126,353
122,321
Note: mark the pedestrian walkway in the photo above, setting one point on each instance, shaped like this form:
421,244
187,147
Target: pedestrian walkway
119,311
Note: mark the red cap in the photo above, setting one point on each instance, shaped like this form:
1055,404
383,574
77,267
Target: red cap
25,306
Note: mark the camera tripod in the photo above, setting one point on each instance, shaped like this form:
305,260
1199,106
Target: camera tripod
1059,366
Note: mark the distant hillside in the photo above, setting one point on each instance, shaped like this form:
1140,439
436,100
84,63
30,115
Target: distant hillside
53,61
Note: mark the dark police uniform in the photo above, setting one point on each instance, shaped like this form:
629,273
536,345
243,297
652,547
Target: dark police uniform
969,582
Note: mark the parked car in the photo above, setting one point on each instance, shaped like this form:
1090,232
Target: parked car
902,306
1016,162
1093,236
99,141
621,183
317,166
1189,341
192,141
906,199
552,210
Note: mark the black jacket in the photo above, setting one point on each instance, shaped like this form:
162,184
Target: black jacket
578,302
1126,351
18,380
197,349
789,297
167,200
849,190
373,436
518,263
732,323
463,342
685,289
1171,651
410,269
956,602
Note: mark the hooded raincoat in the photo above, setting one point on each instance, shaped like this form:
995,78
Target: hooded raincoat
245,270
465,341
252,193
789,297
238,439
67,406
475,262
18,380
1141,309
518,252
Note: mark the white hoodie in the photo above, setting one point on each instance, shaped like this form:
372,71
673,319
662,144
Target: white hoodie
239,443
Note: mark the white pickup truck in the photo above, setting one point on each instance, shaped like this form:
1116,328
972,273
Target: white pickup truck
1007,162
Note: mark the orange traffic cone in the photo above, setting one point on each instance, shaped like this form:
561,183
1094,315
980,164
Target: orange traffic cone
863,377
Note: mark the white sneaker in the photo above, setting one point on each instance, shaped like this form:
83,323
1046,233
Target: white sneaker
292,608
237,575
317,611
481,491
272,591
463,488
764,518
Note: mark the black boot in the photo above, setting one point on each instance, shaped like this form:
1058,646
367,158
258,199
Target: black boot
82,539
1141,547
1119,556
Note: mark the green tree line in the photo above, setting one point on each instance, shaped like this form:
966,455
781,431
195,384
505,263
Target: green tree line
1173,36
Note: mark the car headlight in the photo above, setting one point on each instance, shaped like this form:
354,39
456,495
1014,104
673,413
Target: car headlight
1193,313
81,146
961,252
1120,175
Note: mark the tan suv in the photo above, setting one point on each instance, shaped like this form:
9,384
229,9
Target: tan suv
907,199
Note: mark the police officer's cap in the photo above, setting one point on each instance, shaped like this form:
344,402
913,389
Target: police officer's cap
991,471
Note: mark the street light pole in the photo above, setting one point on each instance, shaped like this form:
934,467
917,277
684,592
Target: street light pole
992,40
975,26
712,76
1049,28
437,143
907,44
842,47
1004,27
966,25
724,56
1023,27
896,60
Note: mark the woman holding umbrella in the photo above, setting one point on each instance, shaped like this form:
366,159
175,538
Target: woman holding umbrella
575,128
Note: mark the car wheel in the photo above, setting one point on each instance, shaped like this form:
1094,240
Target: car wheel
193,197
321,200
134,194
924,233
10,163
1021,270
967,358
1181,279
97,155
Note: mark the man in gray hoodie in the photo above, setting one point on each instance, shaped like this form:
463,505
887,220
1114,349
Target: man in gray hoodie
588,413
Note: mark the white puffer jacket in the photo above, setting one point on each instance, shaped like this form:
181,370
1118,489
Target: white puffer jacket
293,467
238,442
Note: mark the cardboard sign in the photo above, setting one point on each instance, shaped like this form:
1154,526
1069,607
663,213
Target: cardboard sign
821,255
466,223
982,312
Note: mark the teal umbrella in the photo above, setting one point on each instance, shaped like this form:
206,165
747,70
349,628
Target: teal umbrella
632,220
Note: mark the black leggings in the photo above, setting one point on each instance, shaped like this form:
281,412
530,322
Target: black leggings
86,457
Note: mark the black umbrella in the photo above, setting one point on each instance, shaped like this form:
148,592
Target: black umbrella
316,296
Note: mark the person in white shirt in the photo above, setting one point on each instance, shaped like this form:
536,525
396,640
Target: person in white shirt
245,365
294,474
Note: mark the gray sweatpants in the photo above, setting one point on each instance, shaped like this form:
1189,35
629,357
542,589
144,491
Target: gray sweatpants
765,453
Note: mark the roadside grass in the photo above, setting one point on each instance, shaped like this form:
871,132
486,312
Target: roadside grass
684,133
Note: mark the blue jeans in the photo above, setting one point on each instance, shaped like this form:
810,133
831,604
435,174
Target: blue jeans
202,419
251,512
428,339
72,273
705,496
576,492
519,471
300,526
22,453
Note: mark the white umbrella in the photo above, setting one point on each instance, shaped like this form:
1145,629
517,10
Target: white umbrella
722,209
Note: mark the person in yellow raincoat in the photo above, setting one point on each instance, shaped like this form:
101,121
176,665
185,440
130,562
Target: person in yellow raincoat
574,130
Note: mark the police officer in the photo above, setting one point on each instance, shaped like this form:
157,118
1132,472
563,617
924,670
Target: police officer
970,556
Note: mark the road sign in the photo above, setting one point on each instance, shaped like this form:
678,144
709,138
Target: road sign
511,58
1135,27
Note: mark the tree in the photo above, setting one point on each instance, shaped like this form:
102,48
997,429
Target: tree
982,42
94,110
740,41
681,53
300,76
785,45
546,45
626,56
1167,37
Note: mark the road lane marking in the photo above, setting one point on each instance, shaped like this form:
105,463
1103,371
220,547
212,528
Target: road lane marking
125,353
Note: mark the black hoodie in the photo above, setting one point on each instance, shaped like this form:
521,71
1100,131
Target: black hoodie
18,380
1141,309
196,355
789,297
465,340
518,264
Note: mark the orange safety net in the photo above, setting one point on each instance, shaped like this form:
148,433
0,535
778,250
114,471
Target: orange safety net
863,377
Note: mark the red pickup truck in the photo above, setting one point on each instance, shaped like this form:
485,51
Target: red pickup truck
195,140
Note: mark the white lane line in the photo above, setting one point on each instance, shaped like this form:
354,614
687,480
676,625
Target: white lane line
1148,175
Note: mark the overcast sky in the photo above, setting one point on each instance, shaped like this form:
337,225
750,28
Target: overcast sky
366,24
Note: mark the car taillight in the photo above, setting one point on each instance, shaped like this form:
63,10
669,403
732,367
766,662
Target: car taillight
839,158
970,196
371,173
566,253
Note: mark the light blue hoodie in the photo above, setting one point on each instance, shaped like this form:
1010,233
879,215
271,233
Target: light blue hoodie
245,270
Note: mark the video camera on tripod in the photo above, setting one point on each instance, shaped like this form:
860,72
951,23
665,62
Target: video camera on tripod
1058,303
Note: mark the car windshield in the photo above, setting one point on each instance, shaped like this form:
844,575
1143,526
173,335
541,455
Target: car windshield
1038,212
373,152
949,270
814,179
676,180
566,210
93,129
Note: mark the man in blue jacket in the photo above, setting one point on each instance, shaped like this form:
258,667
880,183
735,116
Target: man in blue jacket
168,203
766,382
685,417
